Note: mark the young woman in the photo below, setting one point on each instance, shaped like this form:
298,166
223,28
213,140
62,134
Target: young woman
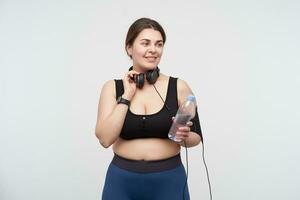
135,114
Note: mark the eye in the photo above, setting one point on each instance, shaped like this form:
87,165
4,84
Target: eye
160,44
145,43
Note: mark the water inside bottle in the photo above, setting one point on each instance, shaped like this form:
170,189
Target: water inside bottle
179,121
182,118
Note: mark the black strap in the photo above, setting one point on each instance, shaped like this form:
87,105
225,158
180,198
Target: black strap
119,87
171,100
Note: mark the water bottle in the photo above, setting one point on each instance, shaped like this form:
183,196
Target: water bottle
185,113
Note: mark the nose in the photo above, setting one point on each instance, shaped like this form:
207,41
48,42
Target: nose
152,48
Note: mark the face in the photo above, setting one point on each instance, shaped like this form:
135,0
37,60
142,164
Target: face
146,50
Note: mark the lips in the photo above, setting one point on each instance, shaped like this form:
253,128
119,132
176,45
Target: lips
151,59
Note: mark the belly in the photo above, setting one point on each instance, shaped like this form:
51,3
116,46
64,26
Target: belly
146,148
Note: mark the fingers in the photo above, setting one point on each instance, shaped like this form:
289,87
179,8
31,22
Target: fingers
181,135
184,129
129,85
183,132
127,77
131,74
190,123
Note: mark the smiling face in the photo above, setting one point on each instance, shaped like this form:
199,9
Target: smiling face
146,50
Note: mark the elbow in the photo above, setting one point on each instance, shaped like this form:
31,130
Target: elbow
104,143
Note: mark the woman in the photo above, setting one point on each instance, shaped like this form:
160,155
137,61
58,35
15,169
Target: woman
135,114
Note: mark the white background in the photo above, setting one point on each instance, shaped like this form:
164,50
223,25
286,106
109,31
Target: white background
240,58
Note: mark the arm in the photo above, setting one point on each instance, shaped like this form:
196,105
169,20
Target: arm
191,138
111,116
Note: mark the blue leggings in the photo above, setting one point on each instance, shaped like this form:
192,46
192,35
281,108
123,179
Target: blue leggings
124,184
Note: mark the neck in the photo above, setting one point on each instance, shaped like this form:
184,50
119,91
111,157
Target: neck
141,69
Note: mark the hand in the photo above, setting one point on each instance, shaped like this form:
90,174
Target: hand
129,85
183,132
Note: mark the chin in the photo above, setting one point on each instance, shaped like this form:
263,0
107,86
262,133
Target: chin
151,66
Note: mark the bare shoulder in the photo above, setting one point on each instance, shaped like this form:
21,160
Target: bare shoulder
183,90
108,88
183,87
109,84
106,100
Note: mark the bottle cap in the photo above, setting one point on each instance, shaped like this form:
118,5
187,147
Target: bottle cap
191,98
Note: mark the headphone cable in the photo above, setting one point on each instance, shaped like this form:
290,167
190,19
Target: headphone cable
206,169
187,169
186,157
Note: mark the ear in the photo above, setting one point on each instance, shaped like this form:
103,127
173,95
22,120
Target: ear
129,50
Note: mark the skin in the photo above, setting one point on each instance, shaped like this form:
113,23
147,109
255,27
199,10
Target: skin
146,53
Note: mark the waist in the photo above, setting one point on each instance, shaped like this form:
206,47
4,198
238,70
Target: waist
146,149
149,166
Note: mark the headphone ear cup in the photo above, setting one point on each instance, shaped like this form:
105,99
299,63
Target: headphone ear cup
152,76
139,80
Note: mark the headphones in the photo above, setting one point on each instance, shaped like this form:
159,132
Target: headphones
151,77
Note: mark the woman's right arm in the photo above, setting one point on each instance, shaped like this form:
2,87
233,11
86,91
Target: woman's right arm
111,115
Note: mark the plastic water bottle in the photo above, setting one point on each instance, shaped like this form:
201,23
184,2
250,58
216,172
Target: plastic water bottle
185,113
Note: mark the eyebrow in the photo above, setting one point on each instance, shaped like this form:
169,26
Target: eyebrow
150,40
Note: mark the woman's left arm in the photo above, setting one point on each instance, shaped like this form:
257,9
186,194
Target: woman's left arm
185,133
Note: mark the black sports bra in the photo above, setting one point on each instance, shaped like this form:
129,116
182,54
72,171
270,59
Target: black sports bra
155,125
